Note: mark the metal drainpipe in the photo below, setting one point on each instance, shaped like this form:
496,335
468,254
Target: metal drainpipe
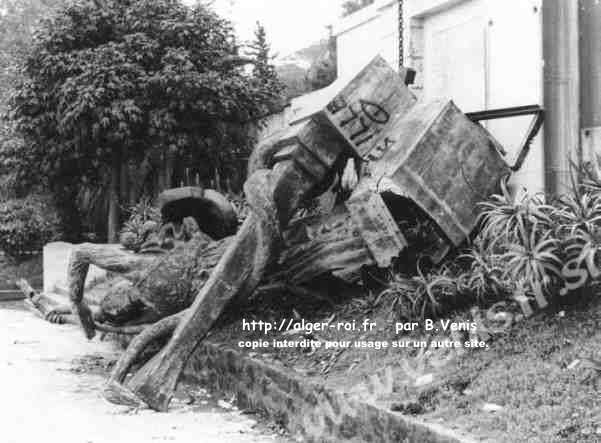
561,92
590,63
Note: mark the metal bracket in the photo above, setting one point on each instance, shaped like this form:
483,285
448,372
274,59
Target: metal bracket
517,111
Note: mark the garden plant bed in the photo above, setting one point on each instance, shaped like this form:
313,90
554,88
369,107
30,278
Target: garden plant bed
533,383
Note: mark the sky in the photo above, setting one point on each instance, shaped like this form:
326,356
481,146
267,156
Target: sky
290,24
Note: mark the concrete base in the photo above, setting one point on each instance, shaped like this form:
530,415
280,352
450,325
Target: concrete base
56,261
308,410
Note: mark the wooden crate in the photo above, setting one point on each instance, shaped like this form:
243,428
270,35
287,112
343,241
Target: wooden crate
445,163
364,109
361,110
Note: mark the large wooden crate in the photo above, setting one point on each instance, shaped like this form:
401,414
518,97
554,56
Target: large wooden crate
445,163
364,110
359,111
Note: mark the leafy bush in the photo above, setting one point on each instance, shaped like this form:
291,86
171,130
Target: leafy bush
144,219
506,219
422,295
485,277
27,224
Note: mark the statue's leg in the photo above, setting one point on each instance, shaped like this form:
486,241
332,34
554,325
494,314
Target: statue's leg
274,196
239,271
112,258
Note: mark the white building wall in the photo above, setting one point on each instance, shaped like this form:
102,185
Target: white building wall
363,35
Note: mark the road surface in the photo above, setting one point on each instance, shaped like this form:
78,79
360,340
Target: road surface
50,383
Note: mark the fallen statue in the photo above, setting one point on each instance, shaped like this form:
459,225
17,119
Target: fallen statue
391,153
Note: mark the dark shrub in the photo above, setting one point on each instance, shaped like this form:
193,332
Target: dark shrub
26,224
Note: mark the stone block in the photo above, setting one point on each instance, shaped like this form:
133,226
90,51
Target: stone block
56,260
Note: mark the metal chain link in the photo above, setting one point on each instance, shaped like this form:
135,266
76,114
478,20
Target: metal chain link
401,33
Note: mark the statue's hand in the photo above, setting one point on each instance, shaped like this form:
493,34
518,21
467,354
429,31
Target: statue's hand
85,318
349,176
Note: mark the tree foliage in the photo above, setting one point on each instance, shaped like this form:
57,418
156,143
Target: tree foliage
17,22
260,50
132,77
27,224
321,58
18,19
323,71
351,6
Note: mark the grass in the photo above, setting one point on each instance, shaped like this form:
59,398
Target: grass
525,370
528,373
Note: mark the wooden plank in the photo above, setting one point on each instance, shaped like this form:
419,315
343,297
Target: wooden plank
336,222
320,244
376,225
334,254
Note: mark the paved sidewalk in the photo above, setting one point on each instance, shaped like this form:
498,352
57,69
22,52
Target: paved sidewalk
50,383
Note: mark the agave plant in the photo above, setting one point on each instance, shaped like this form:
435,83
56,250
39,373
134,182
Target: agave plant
579,210
581,248
535,258
421,294
506,218
486,274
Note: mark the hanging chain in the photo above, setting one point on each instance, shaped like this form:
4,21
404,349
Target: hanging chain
401,32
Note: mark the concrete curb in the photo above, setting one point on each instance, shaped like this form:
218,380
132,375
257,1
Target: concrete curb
306,409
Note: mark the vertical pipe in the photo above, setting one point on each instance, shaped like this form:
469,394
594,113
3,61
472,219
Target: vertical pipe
561,92
590,63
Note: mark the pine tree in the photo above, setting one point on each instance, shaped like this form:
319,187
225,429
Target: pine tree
264,71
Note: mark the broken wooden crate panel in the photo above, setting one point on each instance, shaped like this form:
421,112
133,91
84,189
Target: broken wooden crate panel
376,225
445,163
323,243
